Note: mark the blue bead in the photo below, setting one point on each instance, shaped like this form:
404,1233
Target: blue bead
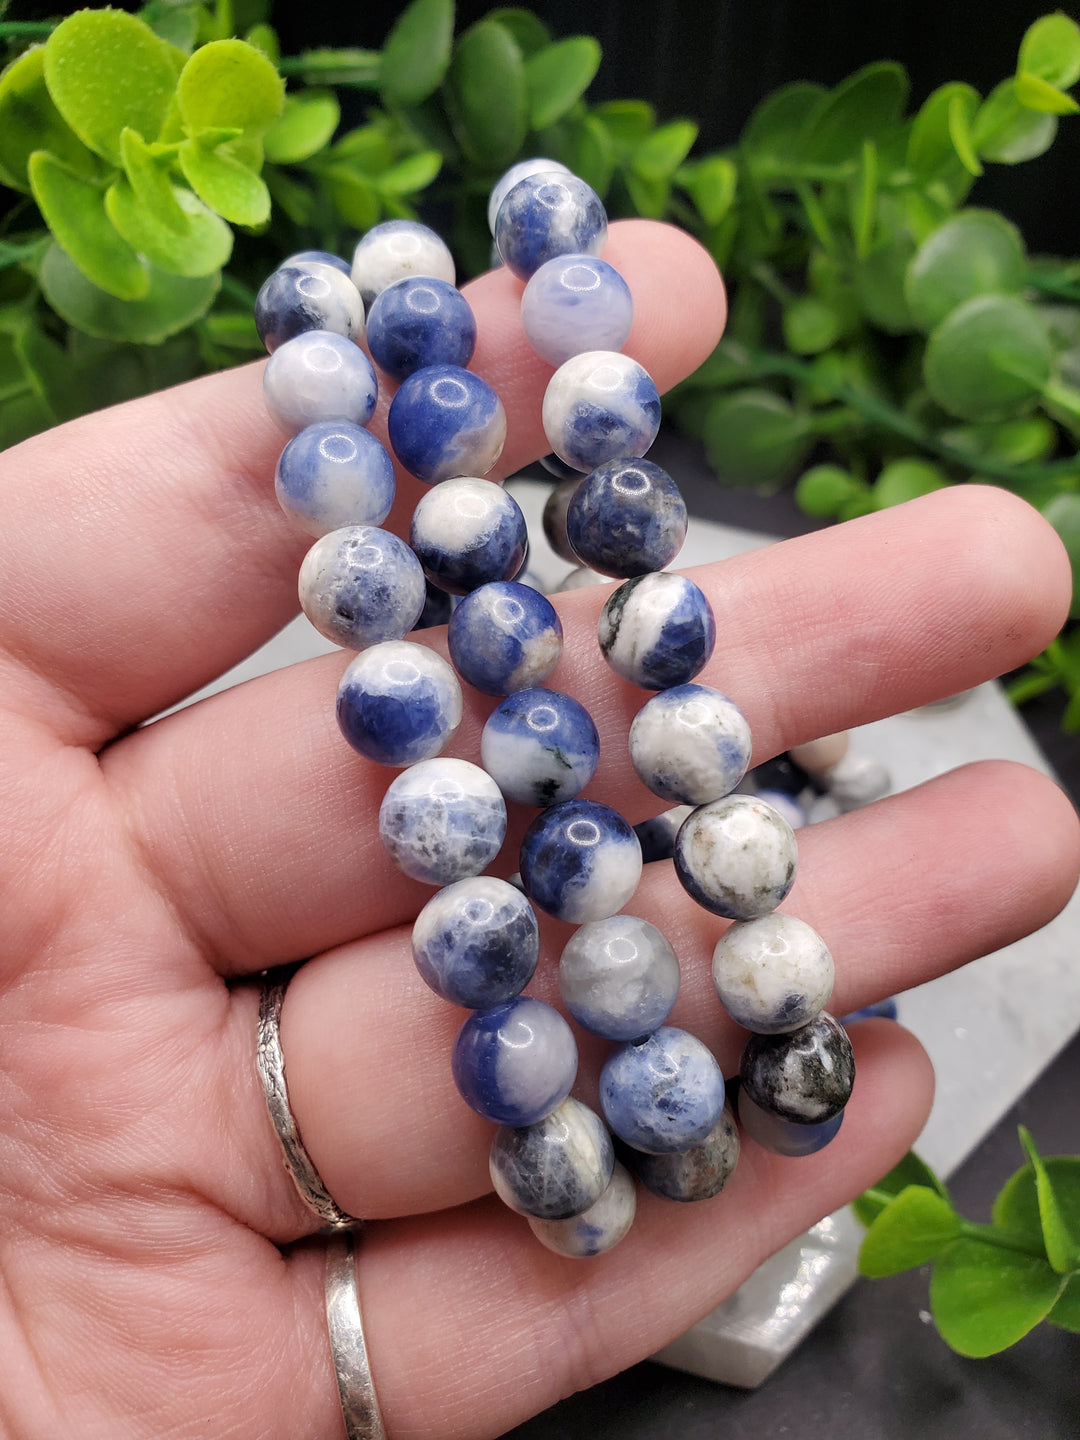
467,532
559,468
657,836
515,1062
438,607
360,585
575,303
536,165
398,703
320,257
319,376
627,518
505,637
784,1137
444,422
420,321
600,406
663,1093
477,942
580,861
881,1010
540,747
335,474
547,215
657,631
307,296
442,820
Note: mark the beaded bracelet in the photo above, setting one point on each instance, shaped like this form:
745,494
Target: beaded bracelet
443,821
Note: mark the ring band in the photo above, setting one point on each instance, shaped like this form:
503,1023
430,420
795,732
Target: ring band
271,1066
358,1403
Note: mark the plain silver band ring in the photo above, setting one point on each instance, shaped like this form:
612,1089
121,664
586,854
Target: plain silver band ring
358,1403
271,1066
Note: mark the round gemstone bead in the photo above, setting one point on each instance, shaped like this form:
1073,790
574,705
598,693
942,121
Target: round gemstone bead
657,631
515,1063
698,1173
820,755
360,585
442,820
782,1136
555,1168
540,747
596,1230
662,1093
321,257
319,376
784,805
554,518
559,468
398,703
736,857
547,214
773,974
657,836
476,943
575,303
335,474
805,1076
690,744
619,977
505,637
397,248
600,406
438,607
580,861
467,532
307,295
445,421
626,518
420,321
521,171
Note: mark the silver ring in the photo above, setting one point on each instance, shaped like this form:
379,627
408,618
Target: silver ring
358,1403
271,1066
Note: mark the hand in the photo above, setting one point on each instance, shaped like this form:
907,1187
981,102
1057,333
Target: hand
149,1281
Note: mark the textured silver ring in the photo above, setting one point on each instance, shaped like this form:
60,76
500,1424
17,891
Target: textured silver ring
358,1403
271,1066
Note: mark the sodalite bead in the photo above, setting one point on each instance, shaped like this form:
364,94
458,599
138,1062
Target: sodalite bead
784,805
442,820
420,321
627,518
596,1230
772,974
663,1093
516,1062
467,532
580,861
805,1077
557,1167
783,1137
559,468
398,703
335,474
657,836
575,303
505,637
307,295
879,1010
319,376
445,421
476,943
360,585
657,631
690,744
619,977
321,257
521,171
540,747
698,1173
548,214
554,518
397,248
736,857
438,607
600,406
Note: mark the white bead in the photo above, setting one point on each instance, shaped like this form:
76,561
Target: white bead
773,974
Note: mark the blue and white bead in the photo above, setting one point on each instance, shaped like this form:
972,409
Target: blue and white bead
657,836
619,977
319,257
521,171
438,607
505,637
335,474
397,248
555,1168
575,303
420,321
545,215
319,376
515,1063
596,1230
360,585
690,744
554,518
657,631
600,406
442,820
580,861
445,421
540,747
398,703
307,295
772,974
467,532
784,1137
662,1093
805,1076
698,1173
736,857
476,943
627,518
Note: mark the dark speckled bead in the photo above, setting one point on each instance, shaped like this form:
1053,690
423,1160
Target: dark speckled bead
695,1174
783,1137
805,1076
556,1168
626,518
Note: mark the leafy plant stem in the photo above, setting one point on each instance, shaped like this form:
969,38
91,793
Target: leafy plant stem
361,66
237,290
28,29
991,1235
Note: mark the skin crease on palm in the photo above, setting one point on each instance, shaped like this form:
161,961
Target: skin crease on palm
157,1272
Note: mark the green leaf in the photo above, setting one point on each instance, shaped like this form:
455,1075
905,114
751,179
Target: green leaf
914,1228
229,84
863,200
858,109
754,437
176,24
593,153
822,489
365,148
23,416
879,284
931,145
1050,49
201,249
961,114
977,252
170,304
1016,1209
1062,1248
1066,1313
1063,513
336,67
775,128
235,331
558,76
13,379
149,179
305,125
264,37
988,359
1008,133
648,197
983,1298
75,212
413,173
106,71
911,1170
811,325
487,97
626,121
906,479
660,154
225,184
711,183
1036,94
30,121
416,54
354,196
294,199
527,29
